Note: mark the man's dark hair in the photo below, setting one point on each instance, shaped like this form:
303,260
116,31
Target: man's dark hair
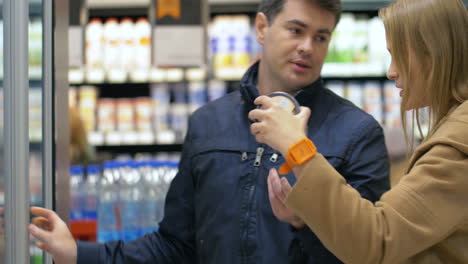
271,8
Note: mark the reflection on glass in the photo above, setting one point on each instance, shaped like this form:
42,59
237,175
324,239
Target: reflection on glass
35,114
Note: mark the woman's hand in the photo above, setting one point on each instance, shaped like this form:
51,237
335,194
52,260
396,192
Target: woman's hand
53,235
278,189
276,126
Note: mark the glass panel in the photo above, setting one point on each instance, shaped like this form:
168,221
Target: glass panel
2,146
35,114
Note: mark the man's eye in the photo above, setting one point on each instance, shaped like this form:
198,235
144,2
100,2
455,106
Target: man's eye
294,30
321,39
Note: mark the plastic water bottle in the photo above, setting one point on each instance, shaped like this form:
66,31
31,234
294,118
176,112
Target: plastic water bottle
150,199
76,194
107,209
165,172
131,196
91,187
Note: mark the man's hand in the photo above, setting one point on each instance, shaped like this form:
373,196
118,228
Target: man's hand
277,194
276,126
53,235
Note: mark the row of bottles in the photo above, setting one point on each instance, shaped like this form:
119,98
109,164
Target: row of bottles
34,49
232,45
379,99
118,48
357,47
126,198
159,118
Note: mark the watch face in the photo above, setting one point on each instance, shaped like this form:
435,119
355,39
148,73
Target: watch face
303,151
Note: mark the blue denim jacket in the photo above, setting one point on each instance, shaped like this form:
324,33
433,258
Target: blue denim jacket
217,209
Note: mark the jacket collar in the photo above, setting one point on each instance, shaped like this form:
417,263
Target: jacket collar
248,88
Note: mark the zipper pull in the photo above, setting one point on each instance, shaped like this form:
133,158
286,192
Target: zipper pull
244,156
274,157
258,157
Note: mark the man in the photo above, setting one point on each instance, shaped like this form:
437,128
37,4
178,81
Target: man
217,209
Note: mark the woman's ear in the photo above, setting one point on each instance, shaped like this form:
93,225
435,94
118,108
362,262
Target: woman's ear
261,26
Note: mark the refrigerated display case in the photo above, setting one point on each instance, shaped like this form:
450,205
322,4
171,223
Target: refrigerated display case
33,155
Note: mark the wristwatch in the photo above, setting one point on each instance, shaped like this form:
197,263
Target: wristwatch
302,151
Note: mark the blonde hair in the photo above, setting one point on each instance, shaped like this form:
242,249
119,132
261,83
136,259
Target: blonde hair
435,32
79,153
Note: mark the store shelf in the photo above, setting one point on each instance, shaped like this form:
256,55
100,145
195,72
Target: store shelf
364,5
33,83
354,78
121,90
250,6
233,2
129,11
233,7
117,3
133,149
35,146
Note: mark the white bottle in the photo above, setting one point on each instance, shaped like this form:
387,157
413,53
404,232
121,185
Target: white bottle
112,47
241,46
143,44
76,193
94,36
127,31
92,191
378,54
131,198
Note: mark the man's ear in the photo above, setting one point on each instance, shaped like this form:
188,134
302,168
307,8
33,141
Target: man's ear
261,27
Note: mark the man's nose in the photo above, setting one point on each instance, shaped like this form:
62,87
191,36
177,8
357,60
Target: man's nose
306,46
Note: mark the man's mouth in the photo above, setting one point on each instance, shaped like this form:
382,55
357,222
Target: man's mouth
302,64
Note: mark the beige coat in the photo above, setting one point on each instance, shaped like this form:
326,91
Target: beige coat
423,219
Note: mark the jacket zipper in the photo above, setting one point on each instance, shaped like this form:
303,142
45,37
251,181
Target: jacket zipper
256,164
274,157
258,157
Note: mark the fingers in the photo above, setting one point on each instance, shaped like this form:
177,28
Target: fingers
273,179
256,114
271,195
277,205
42,246
279,187
285,187
255,128
276,185
46,213
264,101
304,113
42,223
38,233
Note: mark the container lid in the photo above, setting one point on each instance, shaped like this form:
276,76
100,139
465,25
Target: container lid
76,170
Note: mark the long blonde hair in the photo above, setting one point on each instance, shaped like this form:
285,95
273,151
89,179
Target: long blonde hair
435,33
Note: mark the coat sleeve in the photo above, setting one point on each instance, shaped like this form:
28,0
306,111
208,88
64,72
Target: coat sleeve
366,168
174,241
417,213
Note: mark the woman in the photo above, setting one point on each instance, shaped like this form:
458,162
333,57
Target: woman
424,218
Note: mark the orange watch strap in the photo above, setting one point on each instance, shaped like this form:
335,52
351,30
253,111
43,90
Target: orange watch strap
299,153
